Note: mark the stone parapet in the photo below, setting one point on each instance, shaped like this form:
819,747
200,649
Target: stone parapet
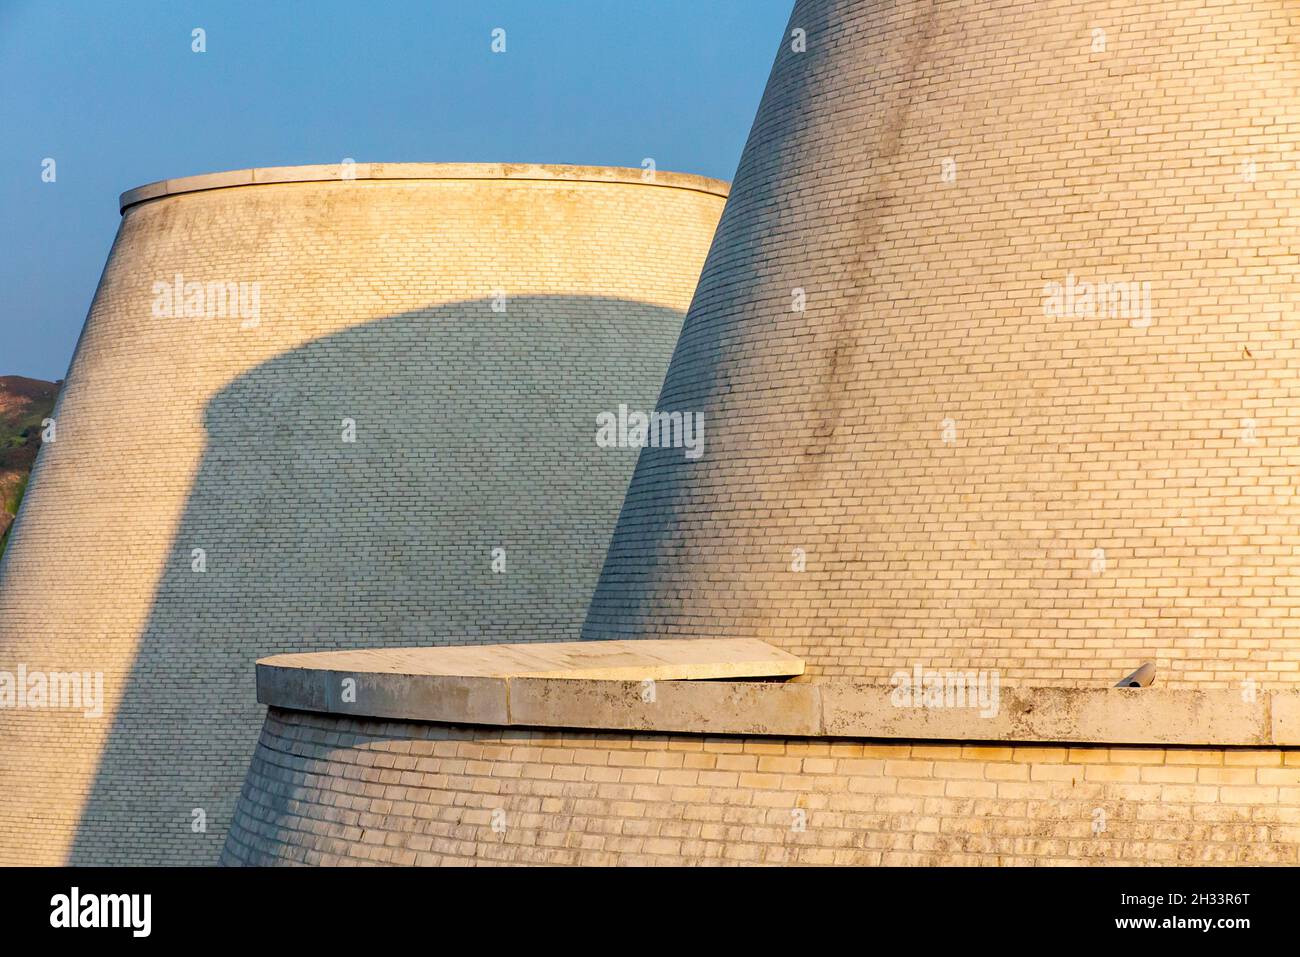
376,685
408,171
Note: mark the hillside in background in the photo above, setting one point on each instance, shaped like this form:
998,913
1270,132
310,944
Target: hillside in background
24,403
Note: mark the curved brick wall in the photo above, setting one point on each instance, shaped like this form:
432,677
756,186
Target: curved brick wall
979,475
329,790
474,430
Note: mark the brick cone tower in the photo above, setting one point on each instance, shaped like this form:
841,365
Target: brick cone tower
314,408
995,353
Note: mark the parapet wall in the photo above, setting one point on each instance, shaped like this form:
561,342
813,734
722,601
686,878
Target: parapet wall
320,408
327,789
400,757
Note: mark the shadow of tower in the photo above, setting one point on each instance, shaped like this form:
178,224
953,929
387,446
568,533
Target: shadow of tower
474,431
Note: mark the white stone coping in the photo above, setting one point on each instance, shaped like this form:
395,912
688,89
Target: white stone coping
824,708
417,171
648,660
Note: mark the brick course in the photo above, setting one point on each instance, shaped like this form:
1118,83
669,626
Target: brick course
324,790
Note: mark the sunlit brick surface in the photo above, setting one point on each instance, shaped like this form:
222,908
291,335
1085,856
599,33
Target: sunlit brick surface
975,482
323,790
474,431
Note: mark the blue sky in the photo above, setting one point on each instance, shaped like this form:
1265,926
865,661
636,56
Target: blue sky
113,92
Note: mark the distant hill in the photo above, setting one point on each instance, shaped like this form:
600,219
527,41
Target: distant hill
24,404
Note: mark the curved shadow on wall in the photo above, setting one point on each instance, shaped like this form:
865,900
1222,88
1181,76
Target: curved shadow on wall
474,431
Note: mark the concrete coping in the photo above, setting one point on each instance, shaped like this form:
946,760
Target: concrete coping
648,660
343,174
417,685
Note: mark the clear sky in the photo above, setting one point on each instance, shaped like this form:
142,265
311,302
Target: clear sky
111,90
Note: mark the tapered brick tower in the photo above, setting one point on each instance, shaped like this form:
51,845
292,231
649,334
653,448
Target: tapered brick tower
313,408
994,349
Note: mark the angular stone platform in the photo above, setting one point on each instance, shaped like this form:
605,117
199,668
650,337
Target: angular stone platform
483,684
663,660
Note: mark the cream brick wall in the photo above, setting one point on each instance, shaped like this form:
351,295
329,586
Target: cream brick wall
325,790
1173,448
475,430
